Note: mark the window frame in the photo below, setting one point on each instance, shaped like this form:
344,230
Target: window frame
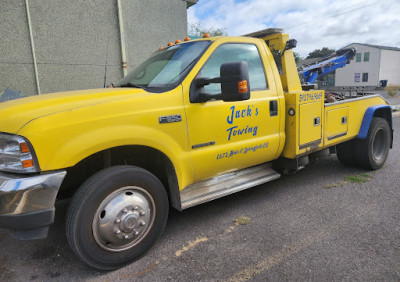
364,74
359,77
365,53
358,55
243,43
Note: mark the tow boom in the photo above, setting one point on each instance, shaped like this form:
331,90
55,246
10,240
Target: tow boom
328,64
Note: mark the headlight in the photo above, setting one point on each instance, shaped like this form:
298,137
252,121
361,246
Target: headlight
16,154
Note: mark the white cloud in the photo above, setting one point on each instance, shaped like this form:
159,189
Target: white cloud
314,23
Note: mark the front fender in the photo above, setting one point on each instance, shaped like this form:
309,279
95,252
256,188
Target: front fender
70,151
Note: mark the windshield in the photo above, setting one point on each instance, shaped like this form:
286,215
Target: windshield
166,68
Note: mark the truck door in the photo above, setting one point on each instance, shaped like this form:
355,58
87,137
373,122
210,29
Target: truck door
227,136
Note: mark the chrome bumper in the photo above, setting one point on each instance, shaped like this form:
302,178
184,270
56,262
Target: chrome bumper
27,202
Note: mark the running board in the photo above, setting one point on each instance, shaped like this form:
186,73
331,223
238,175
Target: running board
226,184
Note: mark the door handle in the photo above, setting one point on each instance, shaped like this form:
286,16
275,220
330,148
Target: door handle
273,108
317,121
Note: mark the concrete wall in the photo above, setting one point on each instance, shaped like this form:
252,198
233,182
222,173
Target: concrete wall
390,66
165,21
16,67
345,76
78,42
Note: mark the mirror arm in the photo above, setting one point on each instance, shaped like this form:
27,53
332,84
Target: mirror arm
203,97
201,82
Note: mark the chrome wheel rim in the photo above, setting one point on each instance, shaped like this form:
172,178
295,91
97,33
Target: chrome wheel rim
123,219
378,145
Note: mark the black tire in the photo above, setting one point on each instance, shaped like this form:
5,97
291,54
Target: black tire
129,194
372,152
345,153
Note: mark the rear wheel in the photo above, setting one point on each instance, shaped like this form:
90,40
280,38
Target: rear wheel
372,152
116,216
345,153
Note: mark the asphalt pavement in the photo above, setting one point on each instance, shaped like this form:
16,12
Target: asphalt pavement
327,222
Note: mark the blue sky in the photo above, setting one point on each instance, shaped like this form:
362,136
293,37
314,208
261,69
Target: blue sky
313,23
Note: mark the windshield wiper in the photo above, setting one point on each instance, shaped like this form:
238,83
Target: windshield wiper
132,85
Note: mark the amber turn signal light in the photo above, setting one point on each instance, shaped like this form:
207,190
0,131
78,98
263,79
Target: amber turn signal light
24,147
177,41
170,44
242,86
27,163
205,35
187,38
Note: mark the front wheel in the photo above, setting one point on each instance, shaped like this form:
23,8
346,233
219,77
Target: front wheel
116,216
373,151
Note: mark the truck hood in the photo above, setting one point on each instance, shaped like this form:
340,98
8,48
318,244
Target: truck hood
17,113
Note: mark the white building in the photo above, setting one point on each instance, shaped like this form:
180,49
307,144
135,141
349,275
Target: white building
372,64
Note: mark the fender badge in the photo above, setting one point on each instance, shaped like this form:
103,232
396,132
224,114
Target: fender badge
169,119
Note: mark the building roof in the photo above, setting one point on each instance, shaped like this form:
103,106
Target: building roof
375,46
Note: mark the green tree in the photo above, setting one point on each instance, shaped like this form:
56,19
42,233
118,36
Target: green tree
198,30
297,57
318,53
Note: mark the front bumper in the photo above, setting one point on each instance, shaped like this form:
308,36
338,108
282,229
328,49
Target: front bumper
27,203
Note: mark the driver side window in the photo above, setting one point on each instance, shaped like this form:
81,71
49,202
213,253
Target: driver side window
234,52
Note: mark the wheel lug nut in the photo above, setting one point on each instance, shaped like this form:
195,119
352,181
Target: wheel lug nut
124,210
135,208
126,237
117,220
117,231
142,223
135,232
142,213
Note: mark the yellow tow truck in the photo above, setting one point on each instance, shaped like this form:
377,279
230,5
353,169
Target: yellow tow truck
197,121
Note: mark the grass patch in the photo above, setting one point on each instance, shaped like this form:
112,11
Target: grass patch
366,175
392,90
356,179
243,220
361,178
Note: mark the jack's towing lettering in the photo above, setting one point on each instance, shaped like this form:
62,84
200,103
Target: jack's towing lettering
241,113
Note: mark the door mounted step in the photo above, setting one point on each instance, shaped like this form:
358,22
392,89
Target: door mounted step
226,184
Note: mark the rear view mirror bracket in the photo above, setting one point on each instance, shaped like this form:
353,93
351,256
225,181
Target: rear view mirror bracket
234,82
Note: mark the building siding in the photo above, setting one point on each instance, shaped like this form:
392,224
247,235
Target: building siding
390,66
346,76
78,41
165,21
16,63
